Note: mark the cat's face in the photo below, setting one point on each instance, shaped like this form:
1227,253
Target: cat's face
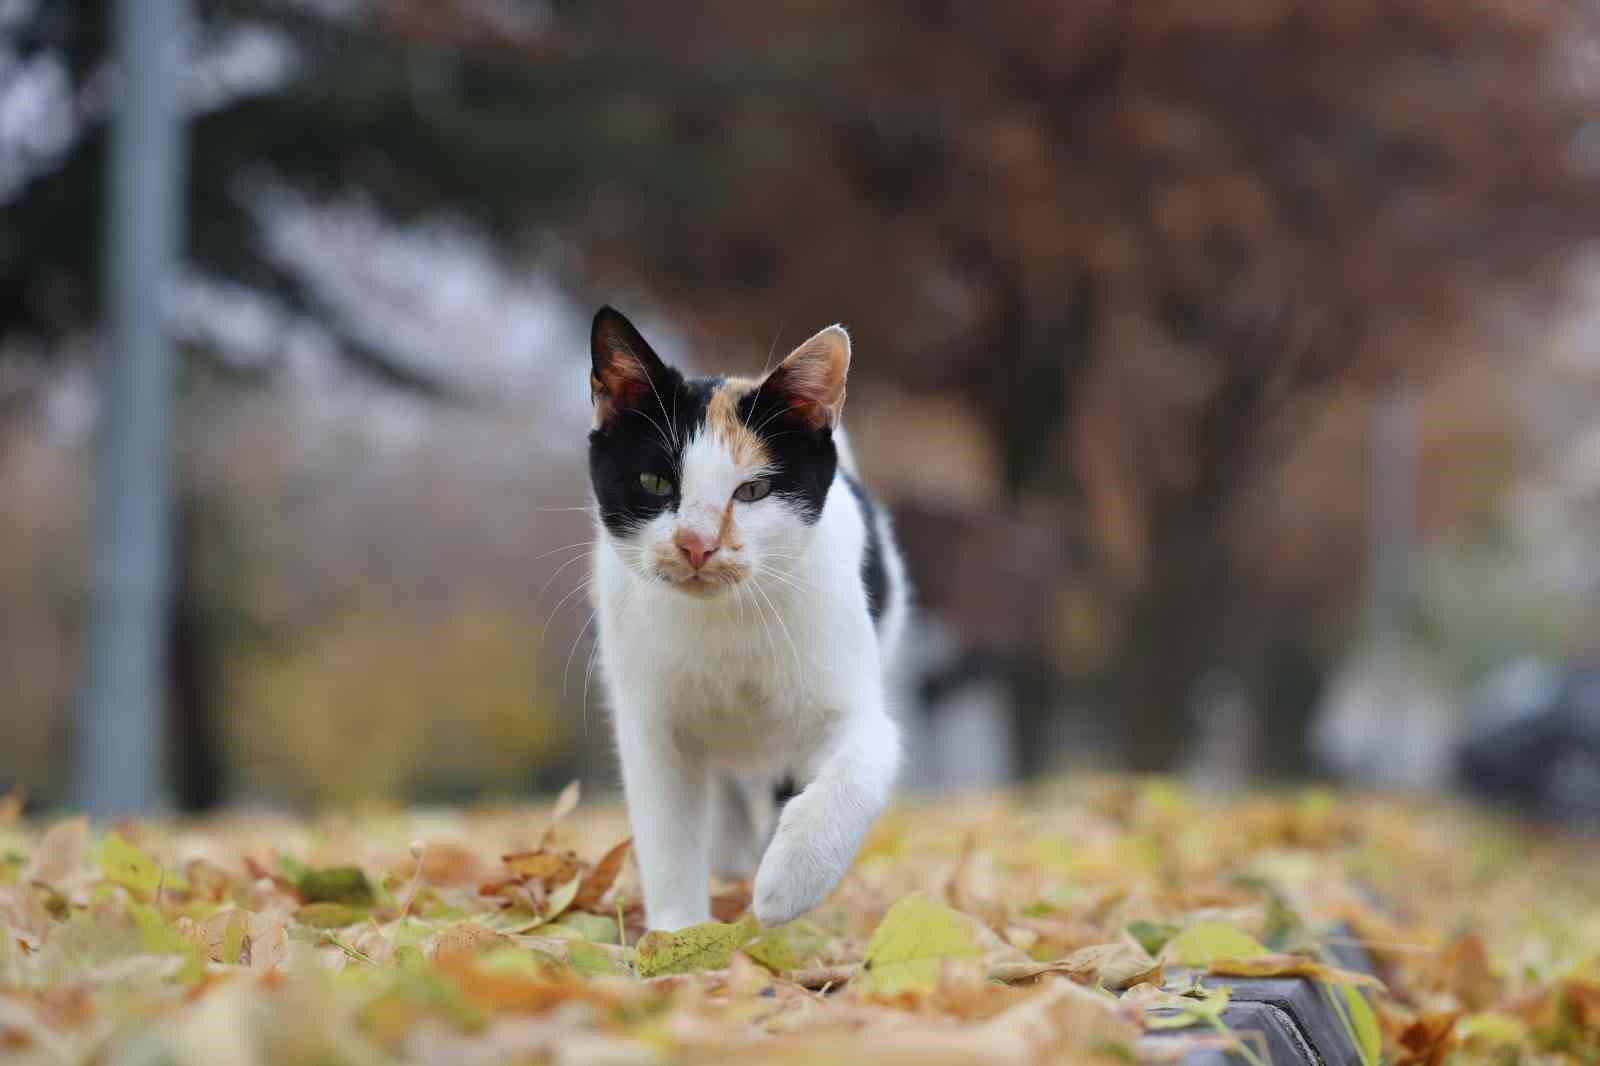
705,483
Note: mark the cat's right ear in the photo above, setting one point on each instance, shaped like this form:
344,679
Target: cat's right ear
624,366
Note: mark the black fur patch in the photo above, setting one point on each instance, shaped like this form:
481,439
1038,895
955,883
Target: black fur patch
646,439
874,575
805,459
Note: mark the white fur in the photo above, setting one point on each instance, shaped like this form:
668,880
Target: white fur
718,695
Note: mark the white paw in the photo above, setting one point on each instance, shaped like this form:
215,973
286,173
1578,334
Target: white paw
794,877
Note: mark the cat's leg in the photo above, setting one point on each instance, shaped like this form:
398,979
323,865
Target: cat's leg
735,839
822,828
666,792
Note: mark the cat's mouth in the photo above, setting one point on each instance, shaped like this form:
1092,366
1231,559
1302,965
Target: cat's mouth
706,583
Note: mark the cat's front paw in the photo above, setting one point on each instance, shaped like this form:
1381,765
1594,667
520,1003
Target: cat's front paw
791,881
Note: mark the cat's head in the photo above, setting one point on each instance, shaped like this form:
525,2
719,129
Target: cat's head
704,483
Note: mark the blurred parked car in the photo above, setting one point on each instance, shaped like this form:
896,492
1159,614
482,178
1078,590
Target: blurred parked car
1534,740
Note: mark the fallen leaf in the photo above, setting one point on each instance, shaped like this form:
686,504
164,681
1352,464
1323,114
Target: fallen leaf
549,867
1427,1040
911,944
560,899
1152,936
593,960
1203,943
335,884
700,947
62,852
598,881
465,940
1116,966
1290,966
566,803
327,915
126,865
1359,1020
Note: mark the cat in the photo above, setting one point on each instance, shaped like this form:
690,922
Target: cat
749,597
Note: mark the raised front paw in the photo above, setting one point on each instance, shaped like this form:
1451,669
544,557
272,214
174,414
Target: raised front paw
792,880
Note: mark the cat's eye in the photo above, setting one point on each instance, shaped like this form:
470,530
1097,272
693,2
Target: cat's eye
655,484
751,491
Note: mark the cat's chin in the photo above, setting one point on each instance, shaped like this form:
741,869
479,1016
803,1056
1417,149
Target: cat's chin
703,588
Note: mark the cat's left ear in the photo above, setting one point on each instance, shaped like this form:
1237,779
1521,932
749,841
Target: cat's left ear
810,380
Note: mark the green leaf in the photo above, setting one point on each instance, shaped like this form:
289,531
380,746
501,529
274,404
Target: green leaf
336,884
700,947
1204,942
910,945
1152,936
592,960
233,937
126,865
577,924
328,915
1359,1020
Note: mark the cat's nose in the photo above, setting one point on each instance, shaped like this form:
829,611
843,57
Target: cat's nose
696,547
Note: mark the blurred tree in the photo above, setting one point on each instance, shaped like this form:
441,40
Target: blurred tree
1149,240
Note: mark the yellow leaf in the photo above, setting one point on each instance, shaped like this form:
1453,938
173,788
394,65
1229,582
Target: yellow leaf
592,960
158,937
126,865
1205,942
561,898
910,945
1492,1028
700,947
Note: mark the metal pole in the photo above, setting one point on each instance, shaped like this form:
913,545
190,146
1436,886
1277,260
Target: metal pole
1391,516
122,708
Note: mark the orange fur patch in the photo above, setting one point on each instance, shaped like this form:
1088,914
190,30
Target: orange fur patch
723,421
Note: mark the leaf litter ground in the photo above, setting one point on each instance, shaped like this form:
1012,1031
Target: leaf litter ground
1042,925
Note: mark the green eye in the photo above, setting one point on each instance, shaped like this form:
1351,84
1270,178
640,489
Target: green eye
751,491
655,484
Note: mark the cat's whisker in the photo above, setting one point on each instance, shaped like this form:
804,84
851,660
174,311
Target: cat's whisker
557,573
590,543
582,586
798,669
575,642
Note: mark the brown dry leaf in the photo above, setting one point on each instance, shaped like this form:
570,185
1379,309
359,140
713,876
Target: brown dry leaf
269,943
1427,1040
598,881
1291,966
550,867
1116,966
463,941
1463,967
63,852
448,863
500,991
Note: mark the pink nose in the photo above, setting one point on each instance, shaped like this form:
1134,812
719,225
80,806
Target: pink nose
696,547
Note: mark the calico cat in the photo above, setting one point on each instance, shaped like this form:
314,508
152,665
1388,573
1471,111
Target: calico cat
748,597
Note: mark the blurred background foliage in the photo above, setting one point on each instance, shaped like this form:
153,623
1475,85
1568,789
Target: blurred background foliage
1134,287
